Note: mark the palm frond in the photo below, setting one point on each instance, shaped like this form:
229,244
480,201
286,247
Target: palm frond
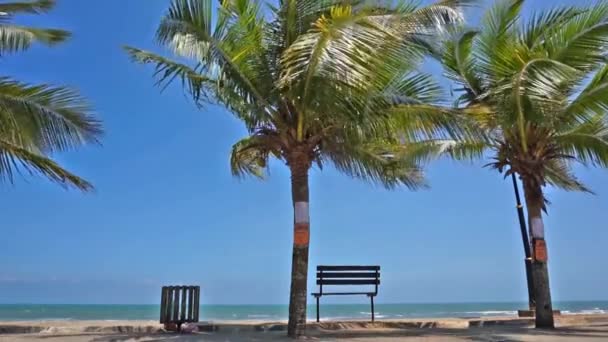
530,86
501,18
166,71
590,102
495,43
294,17
14,158
458,60
543,24
249,156
587,142
433,122
600,77
351,45
365,162
424,151
29,7
582,40
14,38
537,85
462,150
187,29
432,20
51,118
326,76
341,45
559,174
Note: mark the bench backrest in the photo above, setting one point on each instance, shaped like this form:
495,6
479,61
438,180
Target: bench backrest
348,275
179,304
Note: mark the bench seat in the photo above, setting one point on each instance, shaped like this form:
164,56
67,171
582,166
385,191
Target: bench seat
357,276
343,293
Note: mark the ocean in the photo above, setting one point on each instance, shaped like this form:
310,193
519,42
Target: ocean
16,312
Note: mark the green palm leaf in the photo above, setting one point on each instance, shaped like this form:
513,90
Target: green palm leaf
29,7
369,164
587,142
543,24
590,102
166,71
581,41
250,155
15,38
37,120
187,28
52,118
559,174
537,87
14,158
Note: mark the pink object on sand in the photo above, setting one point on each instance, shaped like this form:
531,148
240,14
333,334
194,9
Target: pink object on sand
189,328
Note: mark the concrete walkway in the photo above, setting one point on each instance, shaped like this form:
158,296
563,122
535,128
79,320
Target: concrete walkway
571,328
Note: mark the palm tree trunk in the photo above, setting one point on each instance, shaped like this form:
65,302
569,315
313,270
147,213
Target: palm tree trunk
542,292
299,268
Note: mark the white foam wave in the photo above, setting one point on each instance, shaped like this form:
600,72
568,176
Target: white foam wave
259,316
492,313
594,311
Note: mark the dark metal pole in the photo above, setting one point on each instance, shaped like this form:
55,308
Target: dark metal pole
318,317
526,241
373,315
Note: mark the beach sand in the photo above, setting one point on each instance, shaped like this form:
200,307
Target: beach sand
570,328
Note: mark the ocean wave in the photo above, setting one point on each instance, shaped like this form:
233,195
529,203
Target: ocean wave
594,311
259,316
376,314
492,313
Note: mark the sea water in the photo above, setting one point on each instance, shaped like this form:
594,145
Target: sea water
15,312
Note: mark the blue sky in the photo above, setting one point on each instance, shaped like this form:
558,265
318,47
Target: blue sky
167,210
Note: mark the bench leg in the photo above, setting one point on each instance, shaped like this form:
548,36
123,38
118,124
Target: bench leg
317,309
372,301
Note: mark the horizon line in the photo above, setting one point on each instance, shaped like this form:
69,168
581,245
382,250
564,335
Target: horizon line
286,304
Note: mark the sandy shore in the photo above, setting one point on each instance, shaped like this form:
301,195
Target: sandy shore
570,328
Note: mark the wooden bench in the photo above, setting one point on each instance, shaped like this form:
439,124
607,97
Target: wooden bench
347,275
179,305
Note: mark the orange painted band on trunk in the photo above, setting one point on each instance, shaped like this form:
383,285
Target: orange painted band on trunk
540,250
301,234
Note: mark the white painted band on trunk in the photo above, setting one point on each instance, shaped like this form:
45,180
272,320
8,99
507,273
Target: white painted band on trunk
301,212
538,228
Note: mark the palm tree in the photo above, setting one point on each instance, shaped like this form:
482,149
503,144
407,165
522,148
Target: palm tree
38,120
539,88
314,82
